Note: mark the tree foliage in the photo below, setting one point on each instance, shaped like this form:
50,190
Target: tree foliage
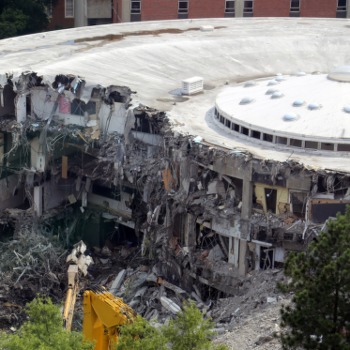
188,331
140,335
319,315
43,331
19,17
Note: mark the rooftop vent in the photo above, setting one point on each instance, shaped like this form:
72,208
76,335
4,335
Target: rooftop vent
290,117
298,103
192,85
246,100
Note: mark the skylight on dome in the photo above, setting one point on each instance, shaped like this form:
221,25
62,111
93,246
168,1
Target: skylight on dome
277,94
347,109
272,82
250,84
298,103
289,117
270,91
313,106
246,100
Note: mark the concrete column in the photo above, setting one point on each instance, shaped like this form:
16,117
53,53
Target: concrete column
348,9
21,107
126,14
242,268
2,102
239,6
80,13
190,231
233,253
247,199
115,11
38,200
84,199
37,157
247,203
257,257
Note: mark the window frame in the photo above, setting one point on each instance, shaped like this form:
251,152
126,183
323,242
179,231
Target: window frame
294,8
229,9
341,8
248,10
135,11
180,10
67,12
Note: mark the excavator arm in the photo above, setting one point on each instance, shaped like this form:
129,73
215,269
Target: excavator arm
68,311
103,314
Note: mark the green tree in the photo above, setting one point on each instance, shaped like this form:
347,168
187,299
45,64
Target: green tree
318,317
43,331
19,17
140,335
12,21
188,331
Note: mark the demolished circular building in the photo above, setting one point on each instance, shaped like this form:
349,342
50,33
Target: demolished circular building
217,145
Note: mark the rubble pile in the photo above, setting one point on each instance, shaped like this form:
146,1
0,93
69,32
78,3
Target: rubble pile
31,264
258,331
250,319
152,296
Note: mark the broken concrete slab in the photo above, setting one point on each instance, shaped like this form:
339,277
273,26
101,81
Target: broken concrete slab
118,281
169,305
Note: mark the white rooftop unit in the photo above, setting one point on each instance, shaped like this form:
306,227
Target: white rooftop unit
192,85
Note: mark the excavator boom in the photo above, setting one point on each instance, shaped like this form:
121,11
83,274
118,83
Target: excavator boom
103,314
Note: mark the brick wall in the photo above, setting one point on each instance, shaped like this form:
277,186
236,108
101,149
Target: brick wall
272,8
158,9
318,8
206,8
58,21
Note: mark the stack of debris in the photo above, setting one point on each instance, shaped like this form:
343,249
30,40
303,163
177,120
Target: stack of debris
30,264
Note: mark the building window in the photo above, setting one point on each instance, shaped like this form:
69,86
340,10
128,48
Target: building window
294,5
248,7
183,7
295,143
267,137
244,131
69,8
135,7
298,203
341,5
256,134
230,6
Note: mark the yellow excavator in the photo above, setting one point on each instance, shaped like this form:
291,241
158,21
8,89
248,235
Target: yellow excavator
103,312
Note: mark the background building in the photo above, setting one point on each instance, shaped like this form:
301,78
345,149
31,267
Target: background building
70,13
